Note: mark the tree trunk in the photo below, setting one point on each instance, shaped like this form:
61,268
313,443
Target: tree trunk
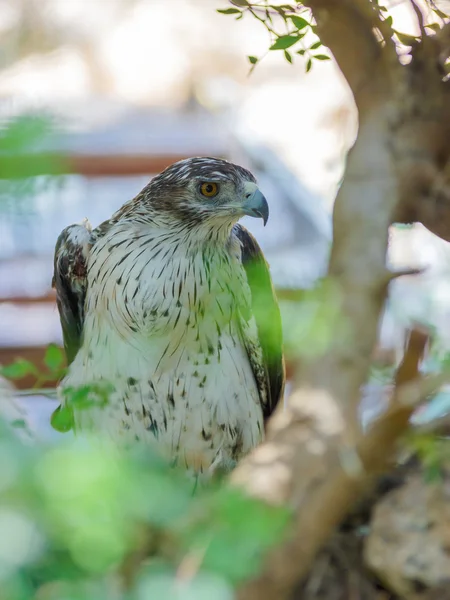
315,458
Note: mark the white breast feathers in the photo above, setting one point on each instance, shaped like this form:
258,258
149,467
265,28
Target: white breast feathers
162,326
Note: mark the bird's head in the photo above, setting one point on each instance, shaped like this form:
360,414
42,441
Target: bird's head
205,190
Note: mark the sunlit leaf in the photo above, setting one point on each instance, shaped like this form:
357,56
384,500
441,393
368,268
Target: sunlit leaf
308,65
287,56
299,22
440,13
321,57
285,41
252,59
408,40
228,11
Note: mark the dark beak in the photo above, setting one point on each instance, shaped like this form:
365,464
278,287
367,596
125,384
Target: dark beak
255,205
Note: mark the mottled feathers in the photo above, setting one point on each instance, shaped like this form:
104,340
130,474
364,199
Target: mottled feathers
172,265
70,282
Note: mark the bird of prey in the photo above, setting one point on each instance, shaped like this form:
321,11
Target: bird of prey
171,303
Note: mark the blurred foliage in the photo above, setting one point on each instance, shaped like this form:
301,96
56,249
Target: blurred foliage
23,157
77,510
314,324
54,367
71,514
433,452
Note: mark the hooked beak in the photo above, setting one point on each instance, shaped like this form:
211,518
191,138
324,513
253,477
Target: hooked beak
255,204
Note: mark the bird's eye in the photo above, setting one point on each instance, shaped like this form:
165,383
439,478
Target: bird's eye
209,189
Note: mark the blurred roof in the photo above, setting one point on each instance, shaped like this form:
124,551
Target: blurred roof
295,241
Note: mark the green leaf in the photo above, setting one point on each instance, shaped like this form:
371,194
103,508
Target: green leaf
252,59
321,57
228,11
389,20
284,41
440,13
299,22
315,45
308,65
301,52
18,369
433,27
54,357
408,40
62,419
287,56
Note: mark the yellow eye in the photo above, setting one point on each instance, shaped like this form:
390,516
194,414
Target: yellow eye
209,189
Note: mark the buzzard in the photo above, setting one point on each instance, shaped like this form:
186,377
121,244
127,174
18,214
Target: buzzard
170,303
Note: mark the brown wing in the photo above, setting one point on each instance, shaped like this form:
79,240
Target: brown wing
70,282
265,353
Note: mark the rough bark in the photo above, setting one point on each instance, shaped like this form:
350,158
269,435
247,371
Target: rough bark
315,458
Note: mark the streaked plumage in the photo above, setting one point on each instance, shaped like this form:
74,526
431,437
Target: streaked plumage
172,303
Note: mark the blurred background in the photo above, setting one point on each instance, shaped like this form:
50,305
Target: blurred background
98,96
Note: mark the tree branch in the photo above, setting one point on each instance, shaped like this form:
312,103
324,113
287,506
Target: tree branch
322,494
353,21
438,426
315,458
420,19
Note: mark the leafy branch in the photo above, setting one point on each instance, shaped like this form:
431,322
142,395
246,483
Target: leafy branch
295,19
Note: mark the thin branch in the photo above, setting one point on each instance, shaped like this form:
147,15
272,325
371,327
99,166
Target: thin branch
420,19
408,369
404,272
30,392
438,426
346,27
411,395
